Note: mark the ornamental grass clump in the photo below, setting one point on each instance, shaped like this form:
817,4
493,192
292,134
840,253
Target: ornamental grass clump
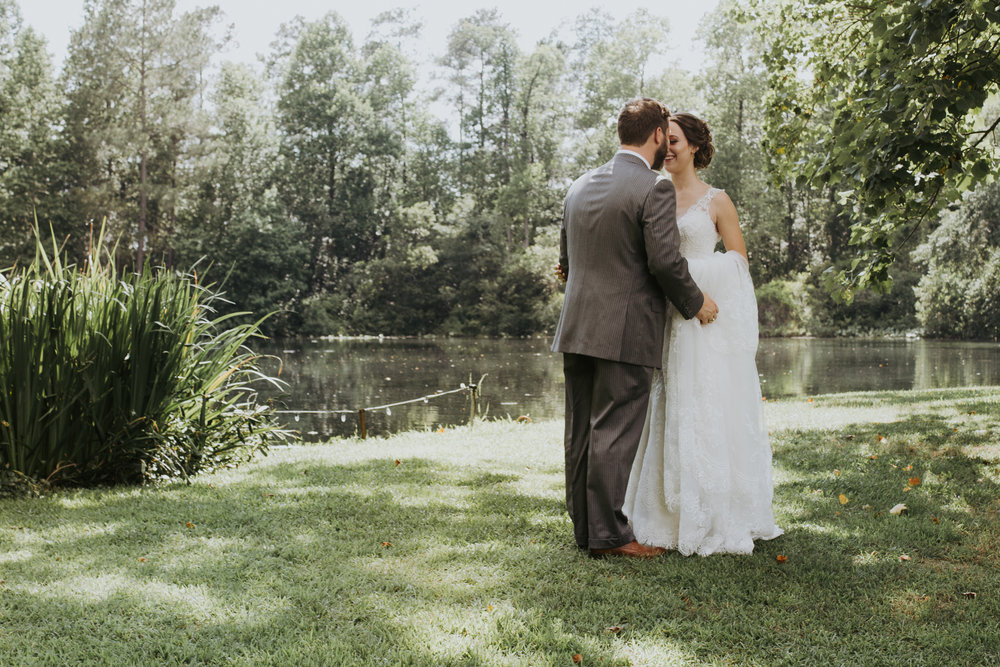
111,378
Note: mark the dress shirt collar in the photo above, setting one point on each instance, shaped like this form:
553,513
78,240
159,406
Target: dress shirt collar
627,151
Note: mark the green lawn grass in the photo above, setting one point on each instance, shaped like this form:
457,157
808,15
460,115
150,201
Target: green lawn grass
455,548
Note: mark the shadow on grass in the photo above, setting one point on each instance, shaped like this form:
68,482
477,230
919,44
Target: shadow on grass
427,562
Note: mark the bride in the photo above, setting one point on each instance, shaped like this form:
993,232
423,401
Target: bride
701,479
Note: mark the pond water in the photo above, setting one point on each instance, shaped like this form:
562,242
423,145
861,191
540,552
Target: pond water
522,378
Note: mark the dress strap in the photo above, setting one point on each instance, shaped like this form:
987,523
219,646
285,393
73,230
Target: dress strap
702,204
707,198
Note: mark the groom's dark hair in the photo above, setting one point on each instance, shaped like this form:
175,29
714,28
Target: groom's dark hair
639,119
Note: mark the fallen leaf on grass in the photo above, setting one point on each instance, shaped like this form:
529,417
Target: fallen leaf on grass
781,559
836,473
387,544
908,468
873,457
969,594
397,461
577,658
935,519
615,629
843,499
142,560
898,509
904,557
189,524
907,488
914,481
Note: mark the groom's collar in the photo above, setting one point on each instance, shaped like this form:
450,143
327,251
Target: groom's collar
628,152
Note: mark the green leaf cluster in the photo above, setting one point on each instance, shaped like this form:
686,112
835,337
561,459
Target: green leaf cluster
957,296
878,100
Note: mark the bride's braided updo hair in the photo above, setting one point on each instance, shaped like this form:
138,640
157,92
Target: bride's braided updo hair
697,133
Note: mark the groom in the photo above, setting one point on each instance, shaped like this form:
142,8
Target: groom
620,255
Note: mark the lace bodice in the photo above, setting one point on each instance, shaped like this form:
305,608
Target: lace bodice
698,233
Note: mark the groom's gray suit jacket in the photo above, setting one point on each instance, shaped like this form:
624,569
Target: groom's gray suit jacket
621,249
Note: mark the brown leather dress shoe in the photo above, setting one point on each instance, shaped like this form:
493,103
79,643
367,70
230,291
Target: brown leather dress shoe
632,549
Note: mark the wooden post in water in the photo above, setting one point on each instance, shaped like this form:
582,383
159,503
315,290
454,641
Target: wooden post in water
361,419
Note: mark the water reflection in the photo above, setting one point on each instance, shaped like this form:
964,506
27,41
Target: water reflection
804,367
524,379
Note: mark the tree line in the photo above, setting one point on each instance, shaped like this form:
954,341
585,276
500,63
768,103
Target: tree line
333,186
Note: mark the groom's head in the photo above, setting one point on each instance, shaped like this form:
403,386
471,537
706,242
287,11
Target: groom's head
638,123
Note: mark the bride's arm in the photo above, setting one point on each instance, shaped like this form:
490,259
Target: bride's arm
727,221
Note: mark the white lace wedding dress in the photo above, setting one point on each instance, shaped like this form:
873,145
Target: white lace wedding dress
701,481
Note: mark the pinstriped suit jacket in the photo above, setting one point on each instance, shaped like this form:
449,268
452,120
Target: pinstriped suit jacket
621,250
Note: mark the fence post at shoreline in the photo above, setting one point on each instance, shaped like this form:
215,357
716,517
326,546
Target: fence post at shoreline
361,420
473,402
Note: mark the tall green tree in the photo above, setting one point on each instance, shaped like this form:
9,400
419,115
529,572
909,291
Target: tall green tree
236,221
30,157
390,75
612,63
322,117
135,79
480,62
532,198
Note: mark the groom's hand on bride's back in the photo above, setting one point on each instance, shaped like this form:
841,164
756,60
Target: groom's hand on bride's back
709,311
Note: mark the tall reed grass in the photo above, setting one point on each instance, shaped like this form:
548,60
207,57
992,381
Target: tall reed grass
108,378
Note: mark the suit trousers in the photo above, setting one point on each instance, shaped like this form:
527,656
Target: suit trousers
606,405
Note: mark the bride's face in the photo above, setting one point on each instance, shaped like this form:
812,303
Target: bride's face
680,153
